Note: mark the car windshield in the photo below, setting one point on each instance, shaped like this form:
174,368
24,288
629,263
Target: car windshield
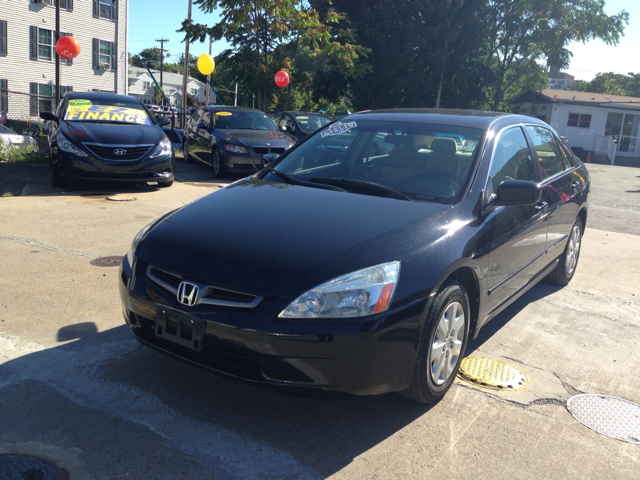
412,161
311,123
5,130
119,111
240,119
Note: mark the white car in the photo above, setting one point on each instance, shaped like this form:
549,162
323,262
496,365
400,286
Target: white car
10,138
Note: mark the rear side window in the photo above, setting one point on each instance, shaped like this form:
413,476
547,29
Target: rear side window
511,159
547,150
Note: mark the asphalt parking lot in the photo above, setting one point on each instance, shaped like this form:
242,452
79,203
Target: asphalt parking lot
78,390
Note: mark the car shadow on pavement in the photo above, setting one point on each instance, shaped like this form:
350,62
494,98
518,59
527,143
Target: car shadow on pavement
494,325
254,432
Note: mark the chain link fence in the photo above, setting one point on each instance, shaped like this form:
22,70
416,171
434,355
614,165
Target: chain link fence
20,112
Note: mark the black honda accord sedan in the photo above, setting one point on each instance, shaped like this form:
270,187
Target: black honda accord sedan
102,136
337,269
233,139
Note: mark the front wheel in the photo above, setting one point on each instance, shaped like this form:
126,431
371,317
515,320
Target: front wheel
566,268
217,163
165,184
442,346
185,152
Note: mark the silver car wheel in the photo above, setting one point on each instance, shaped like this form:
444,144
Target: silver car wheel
573,250
447,343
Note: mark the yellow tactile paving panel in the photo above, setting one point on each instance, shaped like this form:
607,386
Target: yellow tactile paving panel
490,373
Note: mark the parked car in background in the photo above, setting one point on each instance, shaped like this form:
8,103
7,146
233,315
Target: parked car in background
300,124
11,139
233,139
102,136
340,270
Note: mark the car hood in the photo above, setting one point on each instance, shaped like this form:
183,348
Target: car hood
258,237
112,134
259,137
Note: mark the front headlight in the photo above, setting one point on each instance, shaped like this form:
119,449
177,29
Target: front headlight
136,240
66,146
234,148
163,148
356,294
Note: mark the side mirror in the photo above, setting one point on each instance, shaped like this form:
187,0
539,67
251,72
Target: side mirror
517,192
48,116
162,121
269,158
203,126
283,128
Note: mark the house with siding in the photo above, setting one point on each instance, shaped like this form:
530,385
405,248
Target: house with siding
141,85
28,55
605,125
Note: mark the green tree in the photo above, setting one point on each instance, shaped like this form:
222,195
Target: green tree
266,36
613,84
150,58
523,32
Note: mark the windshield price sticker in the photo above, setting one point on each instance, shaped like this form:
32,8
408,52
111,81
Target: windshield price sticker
338,128
108,113
79,101
224,114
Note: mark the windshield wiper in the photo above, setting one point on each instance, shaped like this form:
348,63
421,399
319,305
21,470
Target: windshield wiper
366,186
294,181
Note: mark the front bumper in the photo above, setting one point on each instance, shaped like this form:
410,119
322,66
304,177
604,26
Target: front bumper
242,162
69,166
365,356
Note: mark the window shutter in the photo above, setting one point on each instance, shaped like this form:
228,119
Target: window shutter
114,57
96,9
33,100
96,52
114,11
3,38
33,43
4,97
70,5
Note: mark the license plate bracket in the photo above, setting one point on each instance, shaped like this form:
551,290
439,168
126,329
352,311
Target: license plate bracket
180,328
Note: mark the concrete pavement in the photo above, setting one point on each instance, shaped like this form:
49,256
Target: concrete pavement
76,388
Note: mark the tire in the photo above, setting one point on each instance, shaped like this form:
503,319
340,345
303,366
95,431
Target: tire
165,184
431,380
566,268
216,162
185,152
58,182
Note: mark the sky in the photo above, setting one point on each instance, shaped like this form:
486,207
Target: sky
153,19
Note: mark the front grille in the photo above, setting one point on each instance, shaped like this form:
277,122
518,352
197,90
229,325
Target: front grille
107,152
277,150
211,295
265,150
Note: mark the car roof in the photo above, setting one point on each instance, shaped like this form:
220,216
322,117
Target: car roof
463,118
100,96
231,107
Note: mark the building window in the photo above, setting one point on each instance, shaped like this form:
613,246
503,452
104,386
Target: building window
45,44
194,91
106,51
64,4
579,120
146,85
105,9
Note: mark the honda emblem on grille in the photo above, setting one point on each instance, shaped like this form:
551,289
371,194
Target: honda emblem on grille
119,151
188,294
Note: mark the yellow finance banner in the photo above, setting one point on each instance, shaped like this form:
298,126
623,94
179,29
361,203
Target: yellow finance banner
107,113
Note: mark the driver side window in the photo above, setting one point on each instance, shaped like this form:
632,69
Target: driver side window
511,159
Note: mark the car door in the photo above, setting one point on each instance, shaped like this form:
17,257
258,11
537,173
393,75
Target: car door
516,234
192,132
562,187
205,143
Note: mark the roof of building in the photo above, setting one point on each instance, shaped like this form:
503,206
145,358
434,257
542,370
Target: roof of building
547,95
167,77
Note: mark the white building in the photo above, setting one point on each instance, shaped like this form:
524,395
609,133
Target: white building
604,124
141,85
27,50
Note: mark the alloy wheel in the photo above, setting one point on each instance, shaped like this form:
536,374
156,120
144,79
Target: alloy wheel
447,343
573,250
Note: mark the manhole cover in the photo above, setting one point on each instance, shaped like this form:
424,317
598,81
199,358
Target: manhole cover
611,416
121,198
23,467
490,373
114,261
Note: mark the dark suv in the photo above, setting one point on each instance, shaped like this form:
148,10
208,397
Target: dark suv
235,139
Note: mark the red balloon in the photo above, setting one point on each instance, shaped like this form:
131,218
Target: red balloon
68,47
282,79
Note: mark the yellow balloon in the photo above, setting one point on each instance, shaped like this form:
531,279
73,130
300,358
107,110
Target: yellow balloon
206,65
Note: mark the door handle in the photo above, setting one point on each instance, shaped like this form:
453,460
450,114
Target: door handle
575,185
541,206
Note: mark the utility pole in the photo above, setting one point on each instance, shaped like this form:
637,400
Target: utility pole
162,50
235,100
185,74
57,56
207,88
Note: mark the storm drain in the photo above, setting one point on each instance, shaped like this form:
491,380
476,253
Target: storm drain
23,467
490,373
611,416
113,261
121,198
